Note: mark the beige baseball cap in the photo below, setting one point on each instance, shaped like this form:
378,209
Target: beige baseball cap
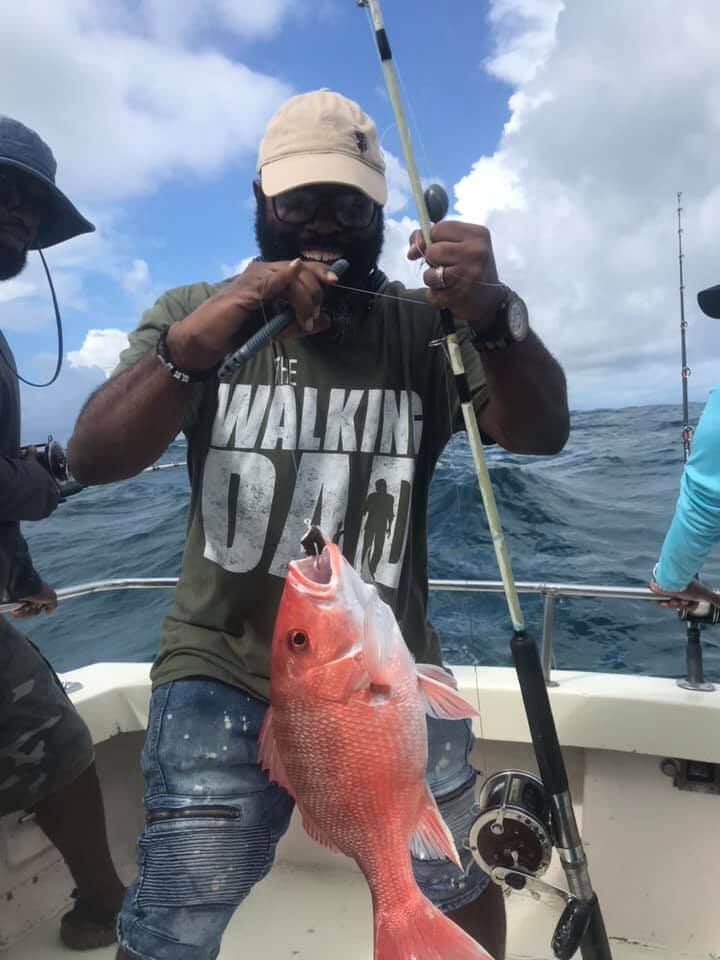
321,137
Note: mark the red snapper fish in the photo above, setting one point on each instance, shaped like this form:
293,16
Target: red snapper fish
346,735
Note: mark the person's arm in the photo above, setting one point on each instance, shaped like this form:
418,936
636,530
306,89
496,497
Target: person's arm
27,586
27,491
526,409
695,526
24,579
523,404
127,424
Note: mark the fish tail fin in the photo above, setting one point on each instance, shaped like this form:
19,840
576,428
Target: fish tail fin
419,931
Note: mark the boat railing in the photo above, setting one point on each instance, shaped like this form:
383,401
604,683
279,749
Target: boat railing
551,593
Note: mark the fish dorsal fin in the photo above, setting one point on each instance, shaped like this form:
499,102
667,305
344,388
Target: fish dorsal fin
268,754
432,839
440,695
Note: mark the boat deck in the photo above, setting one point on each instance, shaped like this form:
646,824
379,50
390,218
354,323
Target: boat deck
313,913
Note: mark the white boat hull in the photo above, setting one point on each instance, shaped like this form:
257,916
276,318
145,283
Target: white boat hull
654,851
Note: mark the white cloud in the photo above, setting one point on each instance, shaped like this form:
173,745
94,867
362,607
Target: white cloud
100,349
398,184
229,271
174,21
525,36
136,280
615,108
127,110
394,261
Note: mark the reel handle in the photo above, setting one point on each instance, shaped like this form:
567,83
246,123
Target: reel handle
571,928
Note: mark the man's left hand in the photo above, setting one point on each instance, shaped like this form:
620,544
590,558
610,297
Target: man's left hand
471,289
44,600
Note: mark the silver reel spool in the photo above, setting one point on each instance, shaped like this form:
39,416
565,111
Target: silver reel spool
511,838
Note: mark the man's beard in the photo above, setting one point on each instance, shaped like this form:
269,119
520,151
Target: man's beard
12,262
362,253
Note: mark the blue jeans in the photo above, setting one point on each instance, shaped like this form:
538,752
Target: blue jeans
214,820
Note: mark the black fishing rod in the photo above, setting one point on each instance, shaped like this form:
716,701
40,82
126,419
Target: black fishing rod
494,839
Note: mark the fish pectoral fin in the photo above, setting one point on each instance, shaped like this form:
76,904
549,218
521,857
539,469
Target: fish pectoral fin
268,754
315,833
437,673
432,839
381,641
440,696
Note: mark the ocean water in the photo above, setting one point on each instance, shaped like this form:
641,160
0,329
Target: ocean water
594,514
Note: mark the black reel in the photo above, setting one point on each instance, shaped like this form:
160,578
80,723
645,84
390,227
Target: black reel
512,840
703,612
512,831
51,455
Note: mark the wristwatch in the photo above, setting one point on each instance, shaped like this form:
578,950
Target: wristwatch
512,324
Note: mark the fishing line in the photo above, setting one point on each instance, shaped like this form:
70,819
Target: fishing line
422,303
467,599
58,322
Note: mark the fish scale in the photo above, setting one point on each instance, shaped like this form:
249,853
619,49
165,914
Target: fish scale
346,735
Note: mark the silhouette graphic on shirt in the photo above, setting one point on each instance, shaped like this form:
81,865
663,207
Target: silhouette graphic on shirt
379,508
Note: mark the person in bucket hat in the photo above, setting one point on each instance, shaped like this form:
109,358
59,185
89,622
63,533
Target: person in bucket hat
46,751
695,527
27,166
352,398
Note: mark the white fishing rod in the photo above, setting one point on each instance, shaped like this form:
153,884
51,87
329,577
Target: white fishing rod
448,324
581,924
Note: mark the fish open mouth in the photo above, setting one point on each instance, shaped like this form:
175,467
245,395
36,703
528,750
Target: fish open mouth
315,575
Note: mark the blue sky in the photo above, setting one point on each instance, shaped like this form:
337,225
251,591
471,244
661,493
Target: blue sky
540,117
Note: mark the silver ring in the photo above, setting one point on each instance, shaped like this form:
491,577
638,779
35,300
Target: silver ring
440,278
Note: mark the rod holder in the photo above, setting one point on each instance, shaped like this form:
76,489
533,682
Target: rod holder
695,679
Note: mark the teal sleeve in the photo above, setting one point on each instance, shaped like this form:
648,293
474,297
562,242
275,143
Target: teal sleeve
695,527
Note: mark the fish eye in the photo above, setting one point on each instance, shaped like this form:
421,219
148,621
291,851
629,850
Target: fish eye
297,640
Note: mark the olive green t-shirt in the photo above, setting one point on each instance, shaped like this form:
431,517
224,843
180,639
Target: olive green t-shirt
342,429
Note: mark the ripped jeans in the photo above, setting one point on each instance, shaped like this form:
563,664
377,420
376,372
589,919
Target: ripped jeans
214,820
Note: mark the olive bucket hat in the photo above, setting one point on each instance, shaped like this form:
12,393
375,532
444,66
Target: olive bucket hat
23,149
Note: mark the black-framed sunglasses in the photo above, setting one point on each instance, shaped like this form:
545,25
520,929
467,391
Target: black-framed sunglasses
19,189
350,208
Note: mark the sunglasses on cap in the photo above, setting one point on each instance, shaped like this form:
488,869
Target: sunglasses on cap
20,190
350,208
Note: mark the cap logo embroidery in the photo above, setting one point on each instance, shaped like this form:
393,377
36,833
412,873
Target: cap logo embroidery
362,141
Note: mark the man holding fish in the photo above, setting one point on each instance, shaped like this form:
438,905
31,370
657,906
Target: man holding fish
351,399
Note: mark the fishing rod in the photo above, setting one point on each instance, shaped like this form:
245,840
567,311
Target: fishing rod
513,821
52,457
687,430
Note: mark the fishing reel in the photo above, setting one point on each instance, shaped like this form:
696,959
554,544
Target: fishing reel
702,612
512,839
51,455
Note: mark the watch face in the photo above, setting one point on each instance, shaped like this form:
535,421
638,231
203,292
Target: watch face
517,319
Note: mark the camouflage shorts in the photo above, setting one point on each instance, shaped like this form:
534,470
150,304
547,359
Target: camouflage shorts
44,744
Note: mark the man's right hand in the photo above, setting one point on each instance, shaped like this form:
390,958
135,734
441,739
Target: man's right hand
220,324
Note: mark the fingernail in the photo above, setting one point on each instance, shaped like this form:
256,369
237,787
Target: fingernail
331,276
